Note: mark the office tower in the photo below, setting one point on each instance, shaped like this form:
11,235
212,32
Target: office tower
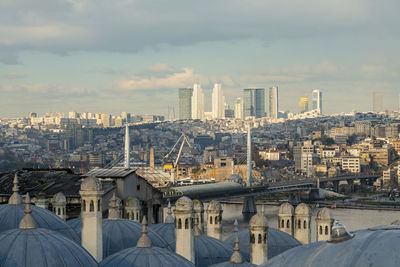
197,102
238,108
126,117
254,102
185,103
218,102
273,102
303,104
377,105
317,100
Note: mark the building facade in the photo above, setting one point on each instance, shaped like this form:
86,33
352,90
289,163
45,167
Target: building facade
185,103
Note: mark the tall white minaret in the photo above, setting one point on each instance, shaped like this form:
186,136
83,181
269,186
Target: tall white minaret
249,164
127,148
92,216
184,234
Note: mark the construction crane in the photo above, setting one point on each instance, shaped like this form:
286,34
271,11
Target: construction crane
171,165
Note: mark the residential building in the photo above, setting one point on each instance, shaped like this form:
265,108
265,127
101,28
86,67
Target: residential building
351,164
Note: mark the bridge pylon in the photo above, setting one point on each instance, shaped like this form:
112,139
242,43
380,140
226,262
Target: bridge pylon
249,205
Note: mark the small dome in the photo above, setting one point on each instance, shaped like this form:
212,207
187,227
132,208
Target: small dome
229,264
258,220
371,247
11,215
41,247
139,257
184,204
214,205
278,242
119,234
91,183
132,202
198,206
324,214
60,198
235,179
302,209
286,209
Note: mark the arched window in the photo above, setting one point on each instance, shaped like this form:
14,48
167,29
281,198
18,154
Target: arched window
305,225
252,239
59,211
91,208
283,224
299,224
326,230
287,224
137,216
320,230
259,239
98,205
179,224
84,205
216,220
210,219
186,223
265,238
63,211
191,223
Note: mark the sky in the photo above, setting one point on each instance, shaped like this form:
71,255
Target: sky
132,55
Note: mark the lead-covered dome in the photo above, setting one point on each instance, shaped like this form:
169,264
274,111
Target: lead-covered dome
91,183
59,198
258,220
41,247
11,215
184,204
278,242
198,205
119,234
324,214
286,209
302,209
214,205
373,247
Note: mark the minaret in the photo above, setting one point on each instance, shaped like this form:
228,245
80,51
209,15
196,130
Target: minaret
133,209
285,218
324,224
258,227
302,219
144,241
214,219
170,217
15,198
127,148
184,235
41,200
59,203
92,218
28,222
249,204
199,213
114,208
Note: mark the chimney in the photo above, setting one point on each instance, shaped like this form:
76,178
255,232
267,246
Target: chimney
151,158
127,148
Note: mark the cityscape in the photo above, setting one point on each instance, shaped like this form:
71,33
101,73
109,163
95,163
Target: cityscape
199,134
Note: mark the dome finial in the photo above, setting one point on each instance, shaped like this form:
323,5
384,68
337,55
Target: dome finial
27,222
169,218
235,227
144,241
114,208
262,209
236,256
15,198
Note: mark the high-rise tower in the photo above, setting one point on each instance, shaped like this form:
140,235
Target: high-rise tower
254,102
185,103
303,104
218,102
238,108
317,100
197,102
377,102
273,102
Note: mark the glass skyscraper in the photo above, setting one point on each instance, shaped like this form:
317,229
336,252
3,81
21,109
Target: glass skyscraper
254,102
185,103
273,102
317,100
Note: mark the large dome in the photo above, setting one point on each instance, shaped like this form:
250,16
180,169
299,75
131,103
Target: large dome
208,250
41,247
372,247
138,257
11,215
119,234
278,242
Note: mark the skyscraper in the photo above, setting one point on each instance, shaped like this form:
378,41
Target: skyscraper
185,103
218,102
303,104
197,102
377,105
254,102
238,108
273,102
317,100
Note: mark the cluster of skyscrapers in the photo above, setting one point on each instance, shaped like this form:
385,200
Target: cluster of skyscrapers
253,103
316,102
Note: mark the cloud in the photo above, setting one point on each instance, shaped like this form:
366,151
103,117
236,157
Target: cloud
15,75
46,91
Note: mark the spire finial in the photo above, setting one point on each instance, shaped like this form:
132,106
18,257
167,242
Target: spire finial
15,198
235,227
236,256
144,241
262,210
114,208
27,222
169,218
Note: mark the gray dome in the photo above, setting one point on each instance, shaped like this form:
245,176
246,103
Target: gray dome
140,257
258,220
278,242
372,247
59,198
302,209
286,209
119,234
214,205
11,215
324,214
41,247
91,183
229,264
184,204
208,250
198,205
